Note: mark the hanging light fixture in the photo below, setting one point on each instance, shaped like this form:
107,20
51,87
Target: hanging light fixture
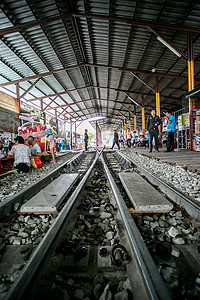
168,46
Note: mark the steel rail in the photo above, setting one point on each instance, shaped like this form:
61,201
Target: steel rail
6,206
151,286
192,207
21,285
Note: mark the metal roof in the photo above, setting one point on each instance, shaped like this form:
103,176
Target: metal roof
79,59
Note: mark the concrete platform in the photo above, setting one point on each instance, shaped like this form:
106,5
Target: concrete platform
185,158
48,199
143,196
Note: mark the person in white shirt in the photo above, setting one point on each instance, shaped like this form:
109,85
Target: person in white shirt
35,148
2,151
21,155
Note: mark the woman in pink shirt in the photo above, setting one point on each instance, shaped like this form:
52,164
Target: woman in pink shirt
51,143
129,137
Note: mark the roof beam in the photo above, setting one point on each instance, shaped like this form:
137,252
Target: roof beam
28,90
141,80
149,95
137,22
133,100
40,75
138,71
140,22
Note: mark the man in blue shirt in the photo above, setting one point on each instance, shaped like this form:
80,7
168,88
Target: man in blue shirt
171,128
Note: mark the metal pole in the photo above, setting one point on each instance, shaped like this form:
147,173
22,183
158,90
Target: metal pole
97,137
190,85
143,116
71,134
75,134
129,121
157,98
135,119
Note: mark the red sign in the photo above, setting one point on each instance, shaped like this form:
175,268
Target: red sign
35,129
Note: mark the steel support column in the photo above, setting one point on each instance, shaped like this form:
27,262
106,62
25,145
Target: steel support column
157,98
97,135
71,134
191,85
126,128
56,115
75,134
135,119
143,116
129,121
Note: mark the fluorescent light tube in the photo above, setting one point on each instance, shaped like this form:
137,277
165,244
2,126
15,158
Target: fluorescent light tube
168,46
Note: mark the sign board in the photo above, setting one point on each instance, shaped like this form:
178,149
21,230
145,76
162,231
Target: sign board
9,113
35,129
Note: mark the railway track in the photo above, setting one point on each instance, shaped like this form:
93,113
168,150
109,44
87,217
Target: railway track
27,231
97,249
7,206
183,200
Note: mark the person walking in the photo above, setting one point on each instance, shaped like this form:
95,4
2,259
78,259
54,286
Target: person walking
116,138
153,129
86,138
51,144
121,138
128,138
171,128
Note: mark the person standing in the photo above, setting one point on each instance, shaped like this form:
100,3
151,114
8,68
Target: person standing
128,138
116,138
171,128
153,129
121,138
134,137
86,138
51,144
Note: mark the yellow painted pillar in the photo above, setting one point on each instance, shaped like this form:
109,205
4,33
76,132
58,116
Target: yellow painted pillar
126,128
143,120
158,104
191,81
123,131
130,125
135,122
191,85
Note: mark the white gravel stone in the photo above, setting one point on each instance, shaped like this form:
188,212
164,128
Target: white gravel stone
175,251
197,280
178,241
172,221
23,234
26,219
109,235
21,218
17,240
105,215
16,226
35,232
173,232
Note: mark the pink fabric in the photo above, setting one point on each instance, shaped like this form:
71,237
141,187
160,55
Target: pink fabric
51,141
129,135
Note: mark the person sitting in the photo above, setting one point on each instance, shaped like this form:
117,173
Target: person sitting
35,148
21,155
2,151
